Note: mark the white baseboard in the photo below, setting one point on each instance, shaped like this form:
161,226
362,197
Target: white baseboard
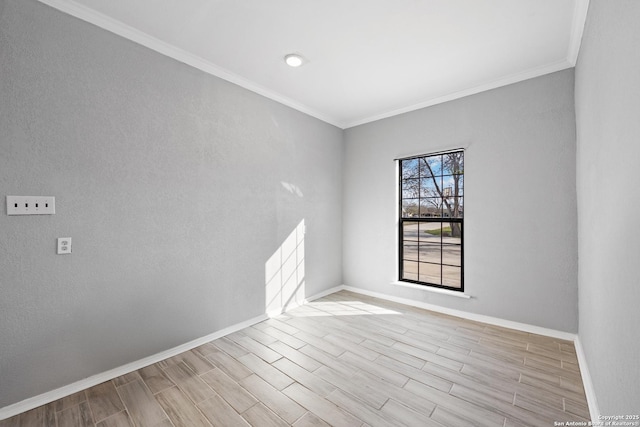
325,293
582,360
59,393
274,313
43,399
470,316
589,389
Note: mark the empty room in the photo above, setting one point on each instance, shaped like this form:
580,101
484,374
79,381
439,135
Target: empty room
304,213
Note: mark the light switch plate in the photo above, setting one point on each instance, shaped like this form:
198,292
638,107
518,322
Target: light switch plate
31,205
64,245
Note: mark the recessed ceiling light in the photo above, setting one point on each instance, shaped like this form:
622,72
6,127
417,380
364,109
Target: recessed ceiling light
293,60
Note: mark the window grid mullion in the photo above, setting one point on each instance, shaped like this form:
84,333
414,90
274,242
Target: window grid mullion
421,176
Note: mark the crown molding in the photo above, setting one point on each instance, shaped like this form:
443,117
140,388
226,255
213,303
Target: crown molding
577,30
89,15
116,27
482,87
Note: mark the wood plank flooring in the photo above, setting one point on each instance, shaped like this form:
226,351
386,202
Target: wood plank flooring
343,360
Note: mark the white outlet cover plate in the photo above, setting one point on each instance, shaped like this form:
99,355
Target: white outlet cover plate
64,245
31,205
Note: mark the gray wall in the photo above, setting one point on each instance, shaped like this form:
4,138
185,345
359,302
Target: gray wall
176,188
608,150
520,203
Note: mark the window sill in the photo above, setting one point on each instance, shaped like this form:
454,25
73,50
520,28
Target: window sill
432,289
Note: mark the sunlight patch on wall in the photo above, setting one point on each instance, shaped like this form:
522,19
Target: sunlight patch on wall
292,188
284,273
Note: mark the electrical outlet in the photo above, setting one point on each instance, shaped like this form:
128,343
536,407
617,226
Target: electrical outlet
31,205
64,245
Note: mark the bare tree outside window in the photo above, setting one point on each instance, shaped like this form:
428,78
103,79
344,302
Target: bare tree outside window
431,219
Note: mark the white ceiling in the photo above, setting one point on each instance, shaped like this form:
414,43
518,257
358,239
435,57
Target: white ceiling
366,59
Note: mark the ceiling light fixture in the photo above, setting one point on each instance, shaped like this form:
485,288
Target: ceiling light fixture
293,60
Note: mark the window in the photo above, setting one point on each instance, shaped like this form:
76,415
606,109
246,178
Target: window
431,220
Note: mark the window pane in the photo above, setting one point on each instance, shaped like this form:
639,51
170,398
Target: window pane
431,166
430,273
430,232
452,185
410,208
428,187
447,209
431,207
410,231
430,252
452,276
452,233
460,179
453,163
460,201
410,270
410,168
453,208
451,254
410,188
410,250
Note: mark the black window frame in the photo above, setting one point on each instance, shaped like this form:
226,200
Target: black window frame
428,219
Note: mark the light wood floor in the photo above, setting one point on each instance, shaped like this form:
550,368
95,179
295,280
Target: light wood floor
343,360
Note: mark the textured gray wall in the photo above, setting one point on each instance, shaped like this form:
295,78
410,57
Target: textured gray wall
175,186
520,202
608,130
